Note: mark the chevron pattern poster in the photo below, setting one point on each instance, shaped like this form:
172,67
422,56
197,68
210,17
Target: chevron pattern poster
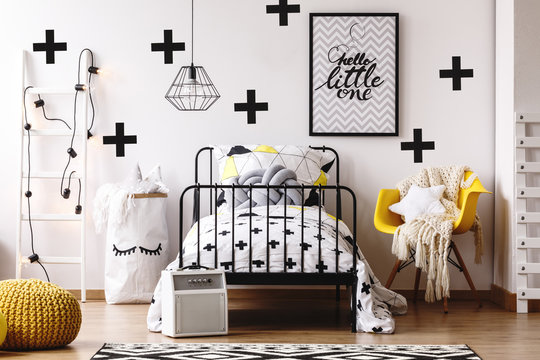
354,74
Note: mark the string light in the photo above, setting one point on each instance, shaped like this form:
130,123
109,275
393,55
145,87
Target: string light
94,70
40,103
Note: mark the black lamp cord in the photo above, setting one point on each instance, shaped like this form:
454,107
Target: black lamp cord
28,186
71,143
51,119
75,113
27,128
89,82
69,185
192,45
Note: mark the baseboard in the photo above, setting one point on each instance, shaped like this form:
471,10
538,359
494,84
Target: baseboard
485,295
508,300
91,294
318,293
253,293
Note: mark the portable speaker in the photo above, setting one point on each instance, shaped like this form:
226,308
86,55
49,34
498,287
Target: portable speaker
194,303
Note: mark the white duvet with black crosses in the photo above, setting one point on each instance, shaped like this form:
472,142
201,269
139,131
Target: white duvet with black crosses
375,303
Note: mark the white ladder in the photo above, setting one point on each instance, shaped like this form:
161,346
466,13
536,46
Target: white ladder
524,243
81,137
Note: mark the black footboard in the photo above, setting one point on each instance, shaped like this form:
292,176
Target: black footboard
323,276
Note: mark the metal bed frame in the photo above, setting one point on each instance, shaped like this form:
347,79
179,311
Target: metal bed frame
276,278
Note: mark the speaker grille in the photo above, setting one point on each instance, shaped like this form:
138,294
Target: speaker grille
200,313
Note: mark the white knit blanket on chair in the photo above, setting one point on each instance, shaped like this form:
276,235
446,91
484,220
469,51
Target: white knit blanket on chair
430,235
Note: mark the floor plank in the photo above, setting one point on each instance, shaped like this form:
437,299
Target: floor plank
491,331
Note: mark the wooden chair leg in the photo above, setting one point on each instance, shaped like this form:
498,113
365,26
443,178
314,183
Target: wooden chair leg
416,283
445,305
466,274
393,274
338,293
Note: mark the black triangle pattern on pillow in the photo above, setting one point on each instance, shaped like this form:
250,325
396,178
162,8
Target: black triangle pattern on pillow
326,167
238,149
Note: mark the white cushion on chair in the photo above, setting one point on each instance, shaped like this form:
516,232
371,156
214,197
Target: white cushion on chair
419,201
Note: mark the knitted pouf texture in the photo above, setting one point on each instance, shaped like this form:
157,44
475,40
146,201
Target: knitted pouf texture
39,315
3,328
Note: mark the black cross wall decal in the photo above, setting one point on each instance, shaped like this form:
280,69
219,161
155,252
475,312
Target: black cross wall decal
305,246
49,46
456,73
283,9
256,231
120,140
168,46
251,107
258,263
224,233
288,232
417,145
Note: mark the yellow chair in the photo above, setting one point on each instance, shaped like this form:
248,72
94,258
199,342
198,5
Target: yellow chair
387,222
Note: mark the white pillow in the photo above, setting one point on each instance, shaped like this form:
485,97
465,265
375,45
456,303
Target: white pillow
311,166
419,201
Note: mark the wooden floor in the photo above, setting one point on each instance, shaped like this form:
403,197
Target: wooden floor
492,332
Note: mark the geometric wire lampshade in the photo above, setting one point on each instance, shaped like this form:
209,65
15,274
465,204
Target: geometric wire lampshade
192,89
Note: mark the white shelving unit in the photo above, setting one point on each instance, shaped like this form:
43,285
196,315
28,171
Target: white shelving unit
81,137
525,243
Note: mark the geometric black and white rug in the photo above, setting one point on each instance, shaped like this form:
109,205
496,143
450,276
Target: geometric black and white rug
229,351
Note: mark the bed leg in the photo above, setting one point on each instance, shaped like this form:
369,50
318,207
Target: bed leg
354,305
338,295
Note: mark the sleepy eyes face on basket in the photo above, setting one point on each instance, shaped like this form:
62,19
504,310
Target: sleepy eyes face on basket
132,250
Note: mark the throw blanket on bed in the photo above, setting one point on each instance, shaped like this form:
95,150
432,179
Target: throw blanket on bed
430,235
260,247
274,175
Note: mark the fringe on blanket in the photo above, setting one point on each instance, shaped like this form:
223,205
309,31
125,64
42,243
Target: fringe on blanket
430,235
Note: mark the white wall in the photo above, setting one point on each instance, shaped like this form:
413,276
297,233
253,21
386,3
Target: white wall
243,48
503,274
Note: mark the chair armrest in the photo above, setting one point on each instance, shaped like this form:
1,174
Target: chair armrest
386,221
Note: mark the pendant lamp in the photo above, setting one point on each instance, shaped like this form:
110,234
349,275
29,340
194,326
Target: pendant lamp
192,89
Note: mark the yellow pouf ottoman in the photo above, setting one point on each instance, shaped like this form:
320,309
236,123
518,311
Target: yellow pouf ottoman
3,328
39,315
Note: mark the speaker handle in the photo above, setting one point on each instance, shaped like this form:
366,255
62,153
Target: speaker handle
194,267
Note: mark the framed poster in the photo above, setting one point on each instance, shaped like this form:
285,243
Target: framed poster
354,74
